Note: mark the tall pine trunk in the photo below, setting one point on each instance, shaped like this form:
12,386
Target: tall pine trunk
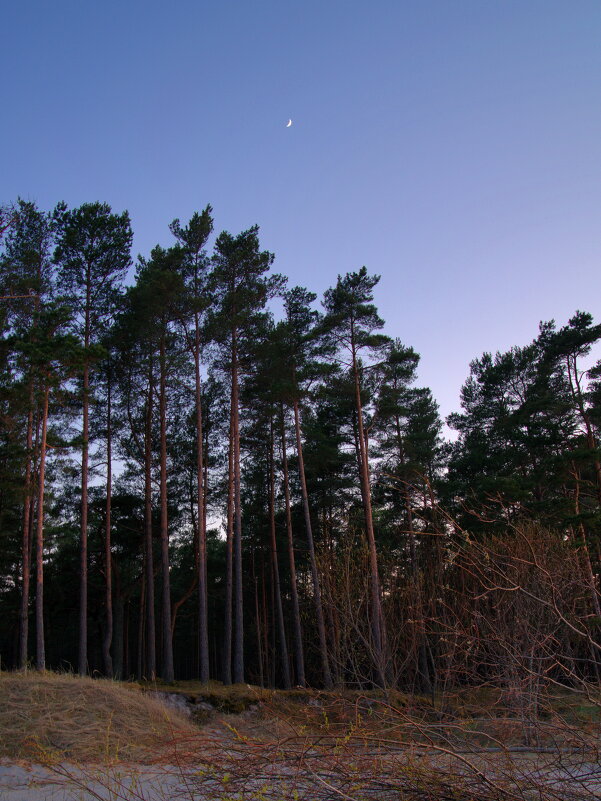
167,665
39,598
421,645
108,633
118,636
238,656
26,544
321,628
203,616
28,510
83,553
149,561
258,625
375,591
299,657
83,565
276,570
229,557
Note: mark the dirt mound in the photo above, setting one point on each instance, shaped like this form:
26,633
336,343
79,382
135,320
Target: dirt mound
49,716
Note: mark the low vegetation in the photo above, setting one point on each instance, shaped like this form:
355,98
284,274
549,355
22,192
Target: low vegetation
49,716
271,745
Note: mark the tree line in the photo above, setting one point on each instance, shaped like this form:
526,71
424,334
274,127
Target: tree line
194,487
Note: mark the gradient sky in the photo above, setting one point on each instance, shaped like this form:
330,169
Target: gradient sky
451,146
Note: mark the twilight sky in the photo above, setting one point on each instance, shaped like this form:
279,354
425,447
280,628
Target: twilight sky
451,146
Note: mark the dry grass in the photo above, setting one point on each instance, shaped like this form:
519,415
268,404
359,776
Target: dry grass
61,716
302,703
232,698
301,745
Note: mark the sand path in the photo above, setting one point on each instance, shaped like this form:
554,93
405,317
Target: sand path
30,782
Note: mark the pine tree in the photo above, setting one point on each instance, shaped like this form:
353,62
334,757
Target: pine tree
351,319
193,239
297,363
93,255
260,399
157,294
135,369
240,291
55,355
408,429
26,278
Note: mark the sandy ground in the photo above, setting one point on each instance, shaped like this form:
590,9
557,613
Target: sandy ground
31,782
25,782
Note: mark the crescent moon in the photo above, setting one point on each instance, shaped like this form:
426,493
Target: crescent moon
289,123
